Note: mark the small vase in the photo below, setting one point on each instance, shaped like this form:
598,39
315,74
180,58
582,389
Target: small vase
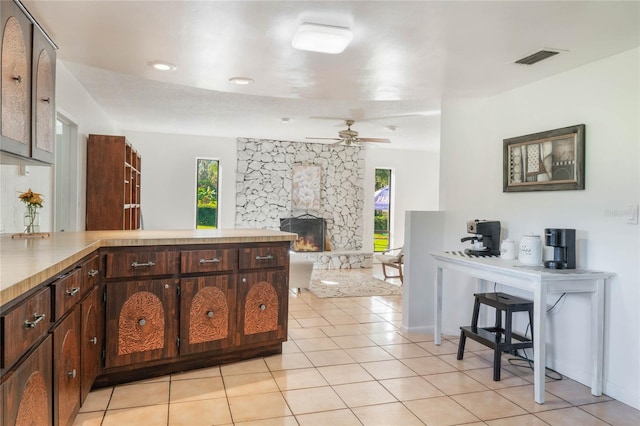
31,222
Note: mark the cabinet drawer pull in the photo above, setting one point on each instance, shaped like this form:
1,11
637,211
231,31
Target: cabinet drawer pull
46,100
263,307
244,280
210,314
214,260
268,257
93,273
36,319
93,340
140,265
18,78
72,373
142,321
73,291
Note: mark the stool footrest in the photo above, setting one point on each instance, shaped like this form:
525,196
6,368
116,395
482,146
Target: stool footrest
494,338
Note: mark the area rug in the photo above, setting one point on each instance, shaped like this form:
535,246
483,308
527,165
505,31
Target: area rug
350,283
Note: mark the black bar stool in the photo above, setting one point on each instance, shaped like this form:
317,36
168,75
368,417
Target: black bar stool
498,338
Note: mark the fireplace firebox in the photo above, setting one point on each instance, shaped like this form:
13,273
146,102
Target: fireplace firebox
310,230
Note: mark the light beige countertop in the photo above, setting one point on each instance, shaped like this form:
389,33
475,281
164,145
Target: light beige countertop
27,262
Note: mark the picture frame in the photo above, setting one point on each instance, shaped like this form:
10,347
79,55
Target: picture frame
547,161
305,187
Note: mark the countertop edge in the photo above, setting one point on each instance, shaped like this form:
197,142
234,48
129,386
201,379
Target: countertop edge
9,292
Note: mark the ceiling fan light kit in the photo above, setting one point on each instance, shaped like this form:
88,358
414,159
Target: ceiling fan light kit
322,38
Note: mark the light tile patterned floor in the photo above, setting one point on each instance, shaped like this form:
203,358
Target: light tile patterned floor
347,363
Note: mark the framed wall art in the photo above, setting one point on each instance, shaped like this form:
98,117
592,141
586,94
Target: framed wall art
305,187
545,161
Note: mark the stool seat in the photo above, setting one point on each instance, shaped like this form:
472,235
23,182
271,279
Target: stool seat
497,337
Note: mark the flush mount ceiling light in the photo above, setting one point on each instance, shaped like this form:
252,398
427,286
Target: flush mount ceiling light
241,81
285,120
162,66
321,38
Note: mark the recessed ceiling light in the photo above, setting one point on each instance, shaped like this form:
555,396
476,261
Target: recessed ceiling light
392,128
285,120
321,38
241,81
162,66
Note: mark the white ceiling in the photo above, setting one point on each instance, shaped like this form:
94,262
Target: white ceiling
404,59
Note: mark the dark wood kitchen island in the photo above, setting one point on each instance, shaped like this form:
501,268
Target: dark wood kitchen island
90,309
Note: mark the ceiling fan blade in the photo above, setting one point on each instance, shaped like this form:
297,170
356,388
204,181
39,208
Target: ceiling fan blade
337,143
382,140
330,139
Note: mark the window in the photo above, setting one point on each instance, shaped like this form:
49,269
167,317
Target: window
207,193
382,210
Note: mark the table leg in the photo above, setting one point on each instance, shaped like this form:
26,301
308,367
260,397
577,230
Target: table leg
539,341
437,329
597,336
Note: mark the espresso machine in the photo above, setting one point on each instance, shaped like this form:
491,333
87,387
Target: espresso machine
563,242
486,241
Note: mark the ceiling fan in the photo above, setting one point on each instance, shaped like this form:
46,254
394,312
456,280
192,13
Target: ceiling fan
350,137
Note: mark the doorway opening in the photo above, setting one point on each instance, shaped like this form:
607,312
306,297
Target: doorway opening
382,210
65,217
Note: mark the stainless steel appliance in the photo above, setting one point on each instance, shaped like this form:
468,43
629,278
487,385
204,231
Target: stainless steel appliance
486,241
563,242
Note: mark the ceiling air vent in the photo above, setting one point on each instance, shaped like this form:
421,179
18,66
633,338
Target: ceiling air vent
537,57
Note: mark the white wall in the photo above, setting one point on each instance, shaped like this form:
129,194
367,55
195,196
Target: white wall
168,180
414,187
168,193
603,95
73,101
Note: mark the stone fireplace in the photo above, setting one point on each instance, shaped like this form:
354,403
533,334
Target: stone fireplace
310,230
264,187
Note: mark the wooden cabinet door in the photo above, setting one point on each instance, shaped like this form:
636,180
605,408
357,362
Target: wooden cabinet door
66,369
141,321
16,80
91,341
43,99
28,392
207,313
262,306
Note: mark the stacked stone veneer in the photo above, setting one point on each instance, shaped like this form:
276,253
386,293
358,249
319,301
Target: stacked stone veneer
263,186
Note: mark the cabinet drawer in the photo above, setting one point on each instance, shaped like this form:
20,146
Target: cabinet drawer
208,260
67,291
142,264
90,273
262,257
24,325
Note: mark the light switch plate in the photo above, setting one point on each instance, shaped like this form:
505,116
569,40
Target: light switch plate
632,214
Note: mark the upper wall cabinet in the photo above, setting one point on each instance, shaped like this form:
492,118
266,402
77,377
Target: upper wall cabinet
28,86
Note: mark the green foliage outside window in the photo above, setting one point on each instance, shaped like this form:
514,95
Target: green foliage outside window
207,194
381,221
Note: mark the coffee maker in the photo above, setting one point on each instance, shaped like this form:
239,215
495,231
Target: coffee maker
487,232
563,242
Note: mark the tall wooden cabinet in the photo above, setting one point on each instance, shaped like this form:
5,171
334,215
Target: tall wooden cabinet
113,184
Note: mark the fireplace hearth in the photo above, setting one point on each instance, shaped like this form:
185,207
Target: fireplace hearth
310,230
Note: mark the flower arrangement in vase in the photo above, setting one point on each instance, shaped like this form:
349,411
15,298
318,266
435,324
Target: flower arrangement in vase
33,201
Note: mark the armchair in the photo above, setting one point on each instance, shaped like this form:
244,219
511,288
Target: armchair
390,260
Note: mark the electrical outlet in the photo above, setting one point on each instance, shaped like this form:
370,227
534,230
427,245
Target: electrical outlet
632,214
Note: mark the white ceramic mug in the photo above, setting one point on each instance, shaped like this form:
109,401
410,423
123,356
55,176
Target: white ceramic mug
508,250
530,252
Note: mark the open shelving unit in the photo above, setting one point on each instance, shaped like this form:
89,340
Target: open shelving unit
113,184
